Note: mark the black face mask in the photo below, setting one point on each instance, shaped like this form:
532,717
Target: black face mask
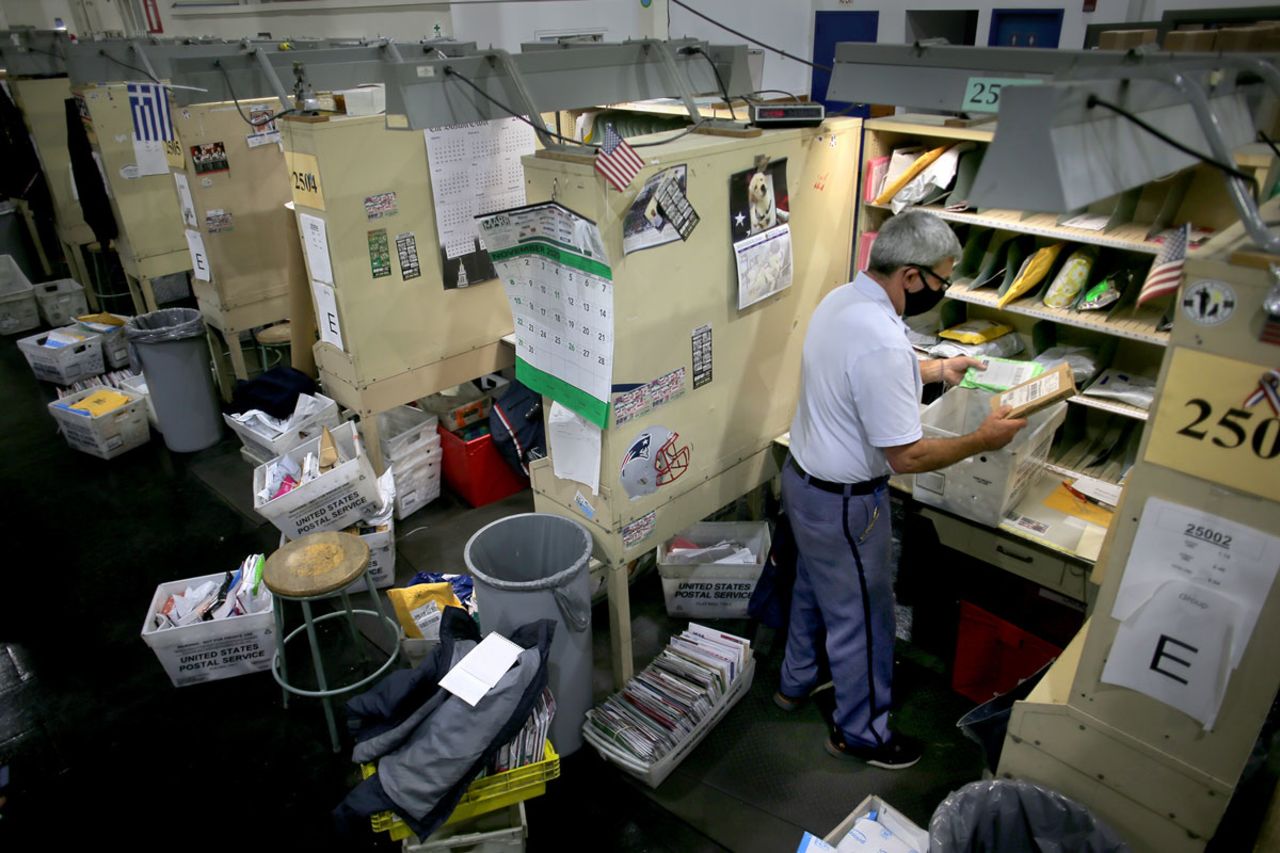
921,301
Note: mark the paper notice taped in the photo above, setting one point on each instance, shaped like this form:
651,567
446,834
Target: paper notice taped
316,243
185,202
574,443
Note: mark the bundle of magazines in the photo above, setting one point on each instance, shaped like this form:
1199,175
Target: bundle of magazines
529,746
661,707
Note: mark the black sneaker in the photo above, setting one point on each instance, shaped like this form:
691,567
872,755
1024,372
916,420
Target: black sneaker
788,703
898,754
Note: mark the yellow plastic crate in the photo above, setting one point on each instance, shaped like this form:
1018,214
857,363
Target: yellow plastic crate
483,795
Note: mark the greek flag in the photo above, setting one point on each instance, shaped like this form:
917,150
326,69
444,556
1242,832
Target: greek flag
149,104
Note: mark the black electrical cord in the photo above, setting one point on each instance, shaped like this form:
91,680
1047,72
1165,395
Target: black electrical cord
746,37
239,109
1262,137
1095,101
122,64
451,72
724,90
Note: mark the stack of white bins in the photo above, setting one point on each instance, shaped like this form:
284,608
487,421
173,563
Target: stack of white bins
411,448
18,311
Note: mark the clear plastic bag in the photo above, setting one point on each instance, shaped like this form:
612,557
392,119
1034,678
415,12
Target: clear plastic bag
1018,817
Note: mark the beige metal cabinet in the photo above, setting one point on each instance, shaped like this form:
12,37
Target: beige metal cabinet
151,243
42,101
249,235
662,295
402,338
1151,771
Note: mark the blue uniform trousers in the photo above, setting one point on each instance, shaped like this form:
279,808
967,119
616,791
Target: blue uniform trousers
844,586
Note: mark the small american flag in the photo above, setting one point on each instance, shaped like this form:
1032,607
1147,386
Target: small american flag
1166,272
617,161
149,104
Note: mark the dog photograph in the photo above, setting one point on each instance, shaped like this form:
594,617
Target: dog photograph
758,200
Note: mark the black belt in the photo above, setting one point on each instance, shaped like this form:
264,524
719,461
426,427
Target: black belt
864,488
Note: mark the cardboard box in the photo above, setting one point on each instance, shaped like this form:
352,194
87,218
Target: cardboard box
912,836
1125,39
1191,41
465,404
268,445
208,651
1258,38
985,486
710,590
334,500
60,301
1039,393
65,365
105,436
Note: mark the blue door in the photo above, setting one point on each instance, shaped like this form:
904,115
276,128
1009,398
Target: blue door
1025,27
830,28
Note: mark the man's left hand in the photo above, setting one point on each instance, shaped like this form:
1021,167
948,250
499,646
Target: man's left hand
954,369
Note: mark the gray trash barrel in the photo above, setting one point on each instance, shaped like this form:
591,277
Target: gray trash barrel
534,566
171,349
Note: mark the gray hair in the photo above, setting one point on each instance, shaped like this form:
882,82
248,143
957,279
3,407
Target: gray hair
912,237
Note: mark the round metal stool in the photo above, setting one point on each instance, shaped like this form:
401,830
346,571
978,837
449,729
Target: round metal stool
311,568
274,343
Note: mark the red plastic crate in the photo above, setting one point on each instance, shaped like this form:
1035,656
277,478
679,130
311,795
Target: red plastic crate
993,655
475,471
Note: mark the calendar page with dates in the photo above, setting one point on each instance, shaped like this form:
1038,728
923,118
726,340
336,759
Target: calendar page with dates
475,169
560,286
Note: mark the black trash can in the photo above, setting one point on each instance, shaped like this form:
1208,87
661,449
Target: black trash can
1013,816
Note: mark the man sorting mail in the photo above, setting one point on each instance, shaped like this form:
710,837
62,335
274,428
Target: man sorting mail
857,421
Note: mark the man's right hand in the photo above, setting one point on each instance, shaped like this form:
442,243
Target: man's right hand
999,429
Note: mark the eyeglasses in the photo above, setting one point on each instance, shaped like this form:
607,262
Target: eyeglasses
923,270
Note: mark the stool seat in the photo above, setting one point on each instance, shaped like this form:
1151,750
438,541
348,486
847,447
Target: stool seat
280,333
316,565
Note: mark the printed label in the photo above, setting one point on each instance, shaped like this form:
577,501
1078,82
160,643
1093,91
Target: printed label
407,252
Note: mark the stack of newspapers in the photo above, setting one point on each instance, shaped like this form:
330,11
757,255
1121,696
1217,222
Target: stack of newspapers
661,707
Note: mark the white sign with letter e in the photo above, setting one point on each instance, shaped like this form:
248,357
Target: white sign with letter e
199,257
327,314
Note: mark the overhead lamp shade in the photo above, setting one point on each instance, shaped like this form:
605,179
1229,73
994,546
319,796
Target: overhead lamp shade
1052,153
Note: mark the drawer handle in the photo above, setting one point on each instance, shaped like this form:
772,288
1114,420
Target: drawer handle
1025,559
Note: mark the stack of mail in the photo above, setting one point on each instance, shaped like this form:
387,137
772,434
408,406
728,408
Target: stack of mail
659,707
528,747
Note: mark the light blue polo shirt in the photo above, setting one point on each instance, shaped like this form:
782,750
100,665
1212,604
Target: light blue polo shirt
860,386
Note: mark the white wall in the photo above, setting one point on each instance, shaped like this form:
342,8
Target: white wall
506,25
35,13
785,24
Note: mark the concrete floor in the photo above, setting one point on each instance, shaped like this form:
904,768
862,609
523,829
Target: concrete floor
101,747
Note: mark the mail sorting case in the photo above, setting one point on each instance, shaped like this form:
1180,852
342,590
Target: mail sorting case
238,186
151,243
403,335
673,299
663,297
